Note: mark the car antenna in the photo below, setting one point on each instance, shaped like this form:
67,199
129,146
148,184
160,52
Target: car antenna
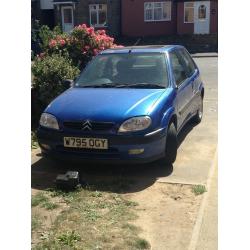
137,42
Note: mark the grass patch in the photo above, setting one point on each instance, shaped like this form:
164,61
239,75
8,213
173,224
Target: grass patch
68,197
38,199
141,244
69,238
94,219
50,205
36,222
42,200
199,189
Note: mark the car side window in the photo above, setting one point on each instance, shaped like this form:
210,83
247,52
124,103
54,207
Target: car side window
188,61
178,68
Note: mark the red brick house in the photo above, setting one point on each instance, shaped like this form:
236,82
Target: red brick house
168,17
101,14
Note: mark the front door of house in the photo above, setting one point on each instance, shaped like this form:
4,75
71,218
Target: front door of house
201,17
67,19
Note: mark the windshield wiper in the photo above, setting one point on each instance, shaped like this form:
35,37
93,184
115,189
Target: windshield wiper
144,85
102,85
117,85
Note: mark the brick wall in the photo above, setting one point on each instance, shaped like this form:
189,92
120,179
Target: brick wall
183,28
214,17
133,23
81,14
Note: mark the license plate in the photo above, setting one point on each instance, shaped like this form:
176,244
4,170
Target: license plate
77,142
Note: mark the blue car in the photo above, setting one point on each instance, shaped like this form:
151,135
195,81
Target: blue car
126,106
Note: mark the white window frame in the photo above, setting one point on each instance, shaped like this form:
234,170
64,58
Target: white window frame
161,20
97,10
185,3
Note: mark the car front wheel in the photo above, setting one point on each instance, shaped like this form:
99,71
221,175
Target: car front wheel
171,145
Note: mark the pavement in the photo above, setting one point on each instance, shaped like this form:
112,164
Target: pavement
209,54
208,233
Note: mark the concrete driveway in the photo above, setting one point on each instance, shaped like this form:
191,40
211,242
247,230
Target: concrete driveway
195,154
197,150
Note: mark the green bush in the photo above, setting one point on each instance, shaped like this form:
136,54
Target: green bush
49,71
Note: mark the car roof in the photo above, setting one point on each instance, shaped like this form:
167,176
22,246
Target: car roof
138,49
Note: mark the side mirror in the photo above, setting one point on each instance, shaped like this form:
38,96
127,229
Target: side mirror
67,83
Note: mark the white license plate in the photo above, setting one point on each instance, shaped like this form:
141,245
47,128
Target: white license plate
77,142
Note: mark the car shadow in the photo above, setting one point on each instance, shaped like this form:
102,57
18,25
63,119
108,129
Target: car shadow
185,131
119,178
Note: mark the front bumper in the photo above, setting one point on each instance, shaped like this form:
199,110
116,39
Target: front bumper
119,147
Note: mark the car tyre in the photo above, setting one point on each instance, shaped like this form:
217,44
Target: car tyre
171,145
199,114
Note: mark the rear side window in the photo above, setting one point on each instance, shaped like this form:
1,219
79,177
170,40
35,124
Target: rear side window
188,61
178,66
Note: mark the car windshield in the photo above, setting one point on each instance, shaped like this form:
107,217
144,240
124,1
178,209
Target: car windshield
130,70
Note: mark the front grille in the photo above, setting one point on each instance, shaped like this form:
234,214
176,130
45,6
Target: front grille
95,126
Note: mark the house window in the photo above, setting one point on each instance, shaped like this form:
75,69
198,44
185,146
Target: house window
157,11
188,12
98,15
202,12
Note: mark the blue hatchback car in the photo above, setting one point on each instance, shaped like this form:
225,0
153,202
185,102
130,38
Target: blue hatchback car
127,105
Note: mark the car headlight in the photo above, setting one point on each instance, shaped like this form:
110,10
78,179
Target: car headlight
135,124
48,121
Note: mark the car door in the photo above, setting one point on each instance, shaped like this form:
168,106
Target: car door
193,75
183,87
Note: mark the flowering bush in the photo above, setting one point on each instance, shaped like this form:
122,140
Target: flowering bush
81,44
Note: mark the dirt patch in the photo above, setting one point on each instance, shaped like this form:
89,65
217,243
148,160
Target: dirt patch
92,220
43,216
167,213
158,217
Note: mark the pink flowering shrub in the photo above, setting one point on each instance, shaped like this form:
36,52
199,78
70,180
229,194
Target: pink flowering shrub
81,44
